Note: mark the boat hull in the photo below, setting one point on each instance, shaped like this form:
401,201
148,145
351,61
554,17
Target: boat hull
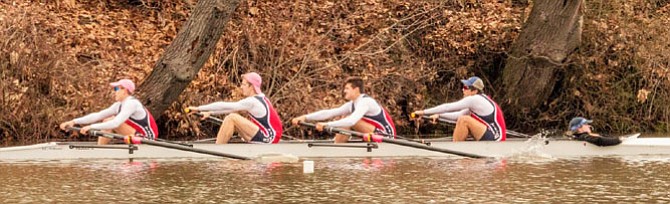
539,147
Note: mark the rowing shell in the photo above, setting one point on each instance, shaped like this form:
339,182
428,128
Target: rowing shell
545,147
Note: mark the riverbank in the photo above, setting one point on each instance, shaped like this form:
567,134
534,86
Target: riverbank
56,59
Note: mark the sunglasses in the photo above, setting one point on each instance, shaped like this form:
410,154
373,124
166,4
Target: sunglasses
116,88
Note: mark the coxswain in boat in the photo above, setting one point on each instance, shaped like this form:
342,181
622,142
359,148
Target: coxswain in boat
364,114
475,114
127,116
580,129
263,124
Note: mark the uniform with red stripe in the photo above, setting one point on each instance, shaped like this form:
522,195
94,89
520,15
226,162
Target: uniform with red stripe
129,111
362,108
269,125
261,113
144,127
495,122
481,108
382,121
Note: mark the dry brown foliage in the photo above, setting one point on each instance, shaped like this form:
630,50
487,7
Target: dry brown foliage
56,58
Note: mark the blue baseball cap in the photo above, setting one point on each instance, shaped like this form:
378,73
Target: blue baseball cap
577,122
474,82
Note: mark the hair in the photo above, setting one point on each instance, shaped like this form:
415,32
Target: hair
356,82
472,88
475,89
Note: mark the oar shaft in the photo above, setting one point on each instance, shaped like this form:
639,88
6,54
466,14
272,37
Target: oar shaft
171,142
404,138
397,142
164,144
213,119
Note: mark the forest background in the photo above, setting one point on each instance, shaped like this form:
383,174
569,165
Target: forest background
57,58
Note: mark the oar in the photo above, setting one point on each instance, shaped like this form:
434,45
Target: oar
392,141
160,144
511,132
213,119
172,142
420,141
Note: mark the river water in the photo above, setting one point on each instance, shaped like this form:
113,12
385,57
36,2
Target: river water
404,180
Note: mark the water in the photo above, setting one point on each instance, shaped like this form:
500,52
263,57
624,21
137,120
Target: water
455,180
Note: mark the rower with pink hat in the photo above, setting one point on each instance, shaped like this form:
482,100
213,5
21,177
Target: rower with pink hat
127,116
262,125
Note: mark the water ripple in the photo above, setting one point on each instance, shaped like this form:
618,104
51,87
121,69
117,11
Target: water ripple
601,180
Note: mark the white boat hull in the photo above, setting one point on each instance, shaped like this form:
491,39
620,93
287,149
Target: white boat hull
549,148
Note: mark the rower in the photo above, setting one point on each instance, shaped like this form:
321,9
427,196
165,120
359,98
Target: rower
475,114
263,124
127,116
580,129
365,114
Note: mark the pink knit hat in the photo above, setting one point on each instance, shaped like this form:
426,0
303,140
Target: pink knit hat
255,80
126,84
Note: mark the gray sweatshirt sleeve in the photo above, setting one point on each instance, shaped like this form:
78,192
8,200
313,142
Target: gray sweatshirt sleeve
228,107
453,116
129,107
362,107
330,113
96,117
464,103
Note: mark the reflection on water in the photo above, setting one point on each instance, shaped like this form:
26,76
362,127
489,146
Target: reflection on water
606,180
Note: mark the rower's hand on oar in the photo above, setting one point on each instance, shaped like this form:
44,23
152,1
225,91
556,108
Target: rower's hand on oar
434,118
205,115
320,126
66,125
85,129
416,115
297,120
191,110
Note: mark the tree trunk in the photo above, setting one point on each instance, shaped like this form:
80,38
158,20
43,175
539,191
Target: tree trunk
551,33
189,51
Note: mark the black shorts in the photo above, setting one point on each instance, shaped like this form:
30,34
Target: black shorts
488,136
259,137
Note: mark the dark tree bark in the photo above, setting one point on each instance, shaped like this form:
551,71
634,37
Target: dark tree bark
189,51
551,33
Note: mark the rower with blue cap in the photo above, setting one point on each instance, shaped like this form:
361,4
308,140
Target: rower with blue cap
475,114
580,129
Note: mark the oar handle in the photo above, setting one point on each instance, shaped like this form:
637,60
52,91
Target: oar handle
414,116
215,119
93,132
